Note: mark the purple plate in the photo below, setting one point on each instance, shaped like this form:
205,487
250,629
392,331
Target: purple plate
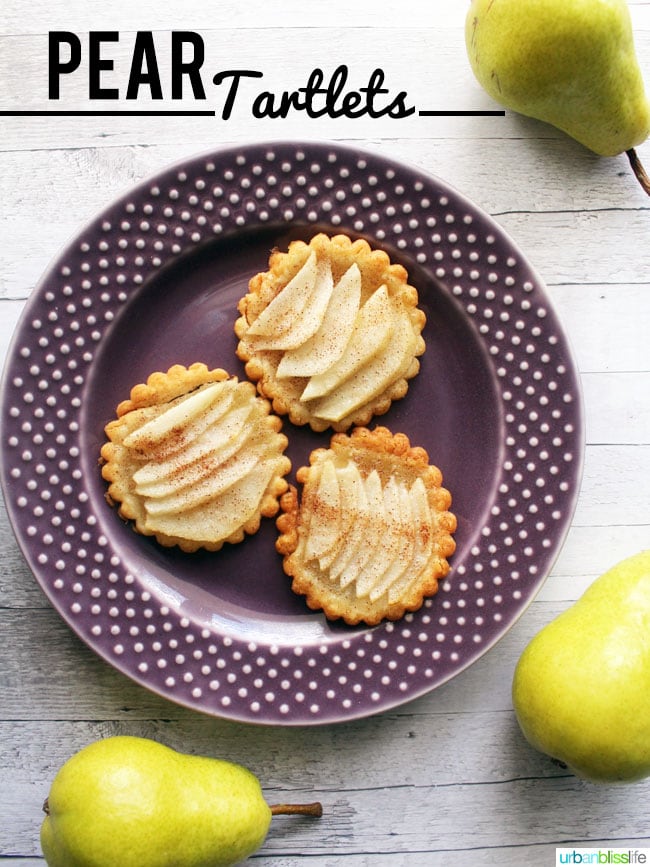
154,281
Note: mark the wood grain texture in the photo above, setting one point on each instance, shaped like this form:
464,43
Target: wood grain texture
446,779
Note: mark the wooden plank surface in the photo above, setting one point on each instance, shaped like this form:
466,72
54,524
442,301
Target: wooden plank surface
445,779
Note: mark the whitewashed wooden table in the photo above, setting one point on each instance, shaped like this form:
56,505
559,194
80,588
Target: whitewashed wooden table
447,778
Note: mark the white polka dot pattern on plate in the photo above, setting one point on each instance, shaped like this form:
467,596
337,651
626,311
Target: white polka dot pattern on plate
347,674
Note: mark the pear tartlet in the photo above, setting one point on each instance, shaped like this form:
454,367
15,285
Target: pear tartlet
331,332
370,536
195,458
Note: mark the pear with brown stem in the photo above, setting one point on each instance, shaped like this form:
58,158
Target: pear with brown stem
570,63
133,802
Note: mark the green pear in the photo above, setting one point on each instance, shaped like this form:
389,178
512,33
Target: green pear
581,689
132,802
571,63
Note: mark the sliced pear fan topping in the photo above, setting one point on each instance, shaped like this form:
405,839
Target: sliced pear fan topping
326,345
350,488
371,329
205,454
326,518
391,360
371,535
371,518
377,536
296,313
341,347
204,461
222,515
183,421
277,318
354,502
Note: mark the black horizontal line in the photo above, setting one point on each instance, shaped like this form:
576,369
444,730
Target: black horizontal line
207,113
114,113
462,113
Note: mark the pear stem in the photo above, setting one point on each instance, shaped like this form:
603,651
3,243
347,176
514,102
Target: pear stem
315,809
638,170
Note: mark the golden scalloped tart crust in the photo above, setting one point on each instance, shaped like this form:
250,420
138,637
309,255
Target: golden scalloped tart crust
370,535
195,458
331,332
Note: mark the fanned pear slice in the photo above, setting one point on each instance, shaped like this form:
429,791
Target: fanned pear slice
370,527
276,319
396,543
321,344
393,547
222,516
405,546
370,334
326,346
423,549
200,456
191,413
189,497
350,483
303,323
353,541
222,468
370,380
326,514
